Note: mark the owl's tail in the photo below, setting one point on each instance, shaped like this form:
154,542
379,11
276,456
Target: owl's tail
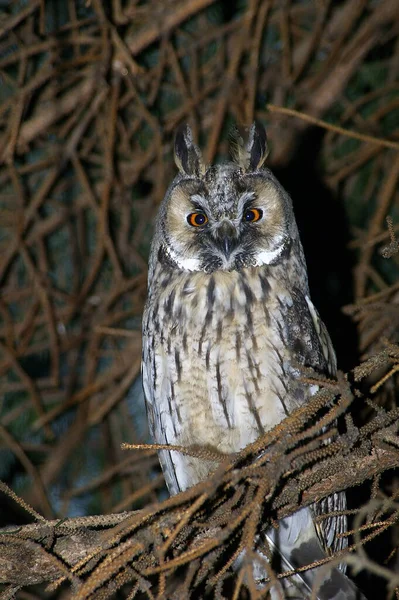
296,544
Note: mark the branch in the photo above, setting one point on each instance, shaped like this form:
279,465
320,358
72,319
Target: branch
90,551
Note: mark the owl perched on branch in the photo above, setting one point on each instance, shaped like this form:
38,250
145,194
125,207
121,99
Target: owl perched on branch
227,323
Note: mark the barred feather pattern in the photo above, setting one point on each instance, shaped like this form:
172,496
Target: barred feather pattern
221,357
227,324
220,350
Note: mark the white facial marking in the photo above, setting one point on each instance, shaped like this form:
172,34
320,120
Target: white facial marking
265,257
187,264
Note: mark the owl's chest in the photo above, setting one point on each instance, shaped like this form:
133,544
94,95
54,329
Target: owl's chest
219,357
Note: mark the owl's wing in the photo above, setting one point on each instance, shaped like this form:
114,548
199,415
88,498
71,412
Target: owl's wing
336,502
311,345
324,340
298,545
307,336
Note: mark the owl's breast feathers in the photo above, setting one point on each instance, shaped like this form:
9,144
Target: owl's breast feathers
221,361
227,326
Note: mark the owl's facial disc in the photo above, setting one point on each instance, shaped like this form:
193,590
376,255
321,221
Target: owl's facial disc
225,220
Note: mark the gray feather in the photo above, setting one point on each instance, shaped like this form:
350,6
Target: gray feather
229,308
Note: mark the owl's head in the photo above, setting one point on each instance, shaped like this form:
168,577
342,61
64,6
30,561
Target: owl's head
224,217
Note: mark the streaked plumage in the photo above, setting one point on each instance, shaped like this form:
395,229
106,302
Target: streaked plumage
227,322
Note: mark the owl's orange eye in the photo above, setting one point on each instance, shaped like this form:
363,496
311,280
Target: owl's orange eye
197,219
251,215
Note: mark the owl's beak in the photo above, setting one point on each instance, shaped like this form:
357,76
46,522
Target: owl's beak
226,238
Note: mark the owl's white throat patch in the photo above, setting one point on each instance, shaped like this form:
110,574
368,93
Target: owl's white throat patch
267,257
186,264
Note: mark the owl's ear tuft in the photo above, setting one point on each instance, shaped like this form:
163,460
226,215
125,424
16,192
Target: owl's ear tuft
250,155
257,147
188,157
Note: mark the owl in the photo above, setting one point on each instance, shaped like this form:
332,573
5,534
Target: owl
227,322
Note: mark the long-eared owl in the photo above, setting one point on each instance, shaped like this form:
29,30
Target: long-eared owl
227,323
